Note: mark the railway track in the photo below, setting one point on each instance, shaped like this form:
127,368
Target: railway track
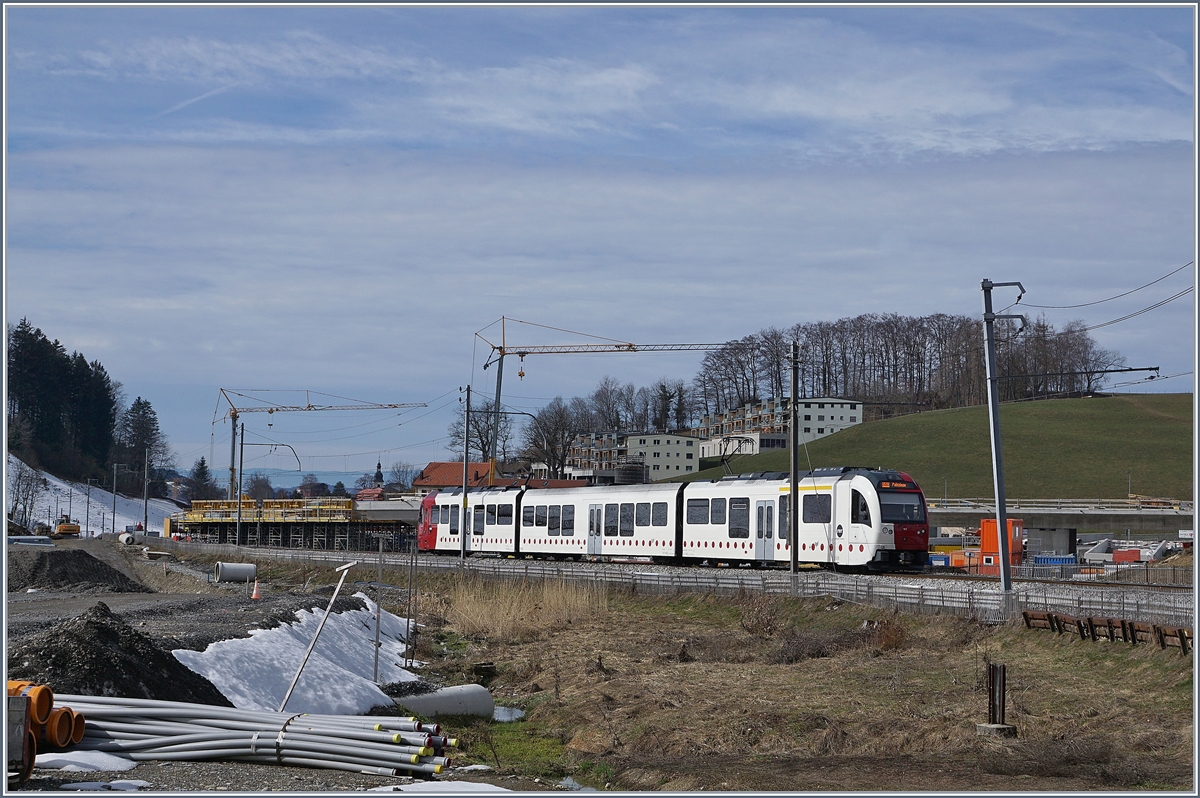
974,597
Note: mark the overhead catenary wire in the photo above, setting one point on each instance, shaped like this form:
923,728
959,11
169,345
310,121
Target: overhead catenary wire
1107,299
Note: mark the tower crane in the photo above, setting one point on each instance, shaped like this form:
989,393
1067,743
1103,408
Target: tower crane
499,351
235,411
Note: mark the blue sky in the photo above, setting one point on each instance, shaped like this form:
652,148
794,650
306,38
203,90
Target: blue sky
338,198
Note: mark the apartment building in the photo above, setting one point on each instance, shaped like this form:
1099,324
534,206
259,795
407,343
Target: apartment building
607,457
760,426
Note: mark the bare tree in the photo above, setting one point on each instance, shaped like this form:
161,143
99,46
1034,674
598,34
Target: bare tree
549,436
480,438
258,486
25,486
607,402
402,474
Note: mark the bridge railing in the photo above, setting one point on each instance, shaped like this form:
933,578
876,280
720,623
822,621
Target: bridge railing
1015,505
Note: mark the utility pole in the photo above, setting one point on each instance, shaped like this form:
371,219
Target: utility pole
146,495
88,522
989,317
237,535
114,517
462,529
794,464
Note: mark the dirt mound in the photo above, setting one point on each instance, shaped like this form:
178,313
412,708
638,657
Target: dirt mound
70,570
97,653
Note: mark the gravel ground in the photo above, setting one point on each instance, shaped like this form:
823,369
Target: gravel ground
63,638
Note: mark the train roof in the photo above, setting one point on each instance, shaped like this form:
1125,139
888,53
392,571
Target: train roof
879,476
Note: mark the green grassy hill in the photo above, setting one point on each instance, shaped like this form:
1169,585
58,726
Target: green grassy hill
1064,448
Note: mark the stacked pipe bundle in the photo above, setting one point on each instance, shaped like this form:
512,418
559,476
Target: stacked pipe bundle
169,730
48,726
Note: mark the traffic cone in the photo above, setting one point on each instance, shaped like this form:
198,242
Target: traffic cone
256,595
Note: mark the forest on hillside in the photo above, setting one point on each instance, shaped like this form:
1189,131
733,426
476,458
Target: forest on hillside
67,415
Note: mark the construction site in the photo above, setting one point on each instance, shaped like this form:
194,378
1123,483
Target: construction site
335,524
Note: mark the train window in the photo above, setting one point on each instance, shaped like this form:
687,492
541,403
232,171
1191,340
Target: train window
627,519
504,514
718,511
478,530
611,511
491,515
901,508
785,531
739,517
539,517
642,514
860,513
697,511
454,519
552,527
526,516
817,509
568,519
445,514
769,528
658,514
758,529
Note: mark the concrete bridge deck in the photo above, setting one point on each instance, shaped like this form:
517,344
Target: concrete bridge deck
1106,515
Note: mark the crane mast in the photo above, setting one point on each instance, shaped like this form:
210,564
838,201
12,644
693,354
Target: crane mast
499,351
235,411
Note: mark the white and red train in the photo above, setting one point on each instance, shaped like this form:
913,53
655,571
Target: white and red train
849,518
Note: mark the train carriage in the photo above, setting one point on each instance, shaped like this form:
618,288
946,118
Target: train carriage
849,518
609,521
490,521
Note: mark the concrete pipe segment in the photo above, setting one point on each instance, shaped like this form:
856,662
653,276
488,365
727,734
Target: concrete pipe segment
125,538
236,572
463,699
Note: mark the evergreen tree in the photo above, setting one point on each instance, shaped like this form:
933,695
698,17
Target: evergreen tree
200,482
141,441
61,409
339,489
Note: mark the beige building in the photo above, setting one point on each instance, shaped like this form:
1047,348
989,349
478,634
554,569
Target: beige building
603,457
762,426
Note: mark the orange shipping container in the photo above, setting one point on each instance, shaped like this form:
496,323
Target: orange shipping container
989,544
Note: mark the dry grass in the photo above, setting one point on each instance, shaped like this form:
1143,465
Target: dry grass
515,612
743,692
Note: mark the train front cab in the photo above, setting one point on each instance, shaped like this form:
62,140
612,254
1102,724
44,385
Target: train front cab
427,525
904,521
487,527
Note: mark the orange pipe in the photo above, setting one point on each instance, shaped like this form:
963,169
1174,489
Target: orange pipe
30,754
77,727
41,699
57,730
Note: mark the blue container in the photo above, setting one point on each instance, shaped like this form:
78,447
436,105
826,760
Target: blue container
937,559
1054,559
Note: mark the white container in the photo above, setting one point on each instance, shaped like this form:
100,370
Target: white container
463,699
236,572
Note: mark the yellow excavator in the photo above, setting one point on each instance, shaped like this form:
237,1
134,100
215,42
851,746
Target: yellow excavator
65,528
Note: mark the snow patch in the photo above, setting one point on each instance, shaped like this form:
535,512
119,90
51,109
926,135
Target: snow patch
255,672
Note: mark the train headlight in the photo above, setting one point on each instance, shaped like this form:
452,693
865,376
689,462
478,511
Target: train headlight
889,529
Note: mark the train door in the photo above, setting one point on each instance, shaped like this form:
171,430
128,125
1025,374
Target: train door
764,530
595,539
852,520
